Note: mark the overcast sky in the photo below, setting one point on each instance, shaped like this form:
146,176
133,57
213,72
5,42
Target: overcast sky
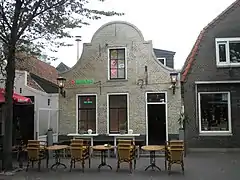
171,24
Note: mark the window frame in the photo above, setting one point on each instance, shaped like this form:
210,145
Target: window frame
215,133
77,109
108,112
225,41
164,60
109,65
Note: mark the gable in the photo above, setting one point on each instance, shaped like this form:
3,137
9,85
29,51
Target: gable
213,24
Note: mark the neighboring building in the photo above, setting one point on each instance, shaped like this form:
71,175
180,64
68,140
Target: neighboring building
165,57
62,67
211,84
117,85
37,80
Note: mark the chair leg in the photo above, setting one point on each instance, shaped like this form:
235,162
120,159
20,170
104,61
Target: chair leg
32,164
71,164
28,163
83,166
89,162
118,165
135,162
130,166
39,165
165,164
182,164
169,167
74,163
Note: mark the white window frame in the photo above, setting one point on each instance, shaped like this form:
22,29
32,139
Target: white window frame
164,60
226,42
109,94
77,95
215,133
108,55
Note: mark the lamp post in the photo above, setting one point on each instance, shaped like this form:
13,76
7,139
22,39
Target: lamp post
174,79
61,84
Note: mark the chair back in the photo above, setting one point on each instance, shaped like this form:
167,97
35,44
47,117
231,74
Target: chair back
124,151
176,148
33,149
76,148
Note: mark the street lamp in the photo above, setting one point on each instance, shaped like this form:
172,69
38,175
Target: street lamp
174,79
61,84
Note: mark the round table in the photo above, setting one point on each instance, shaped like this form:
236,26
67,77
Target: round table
152,149
57,149
103,149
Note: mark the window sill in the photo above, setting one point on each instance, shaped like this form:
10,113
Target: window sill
215,134
228,65
123,134
117,80
82,135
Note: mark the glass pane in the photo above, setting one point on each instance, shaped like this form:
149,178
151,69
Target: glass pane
121,73
43,121
234,52
121,53
162,60
82,115
214,112
121,64
54,120
114,63
91,120
117,101
113,54
222,52
87,102
122,115
113,74
113,121
156,97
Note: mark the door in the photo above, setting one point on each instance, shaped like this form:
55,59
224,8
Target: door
156,117
156,124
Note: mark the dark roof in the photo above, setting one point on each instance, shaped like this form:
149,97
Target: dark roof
62,67
163,51
35,66
45,85
191,57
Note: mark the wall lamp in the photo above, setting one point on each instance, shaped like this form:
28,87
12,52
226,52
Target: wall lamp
61,84
174,79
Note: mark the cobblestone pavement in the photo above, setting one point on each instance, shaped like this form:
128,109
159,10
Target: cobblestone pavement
198,166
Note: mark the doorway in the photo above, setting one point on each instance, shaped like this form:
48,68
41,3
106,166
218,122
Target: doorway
23,123
156,116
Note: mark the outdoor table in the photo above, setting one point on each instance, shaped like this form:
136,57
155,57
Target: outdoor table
153,149
57,149
103,150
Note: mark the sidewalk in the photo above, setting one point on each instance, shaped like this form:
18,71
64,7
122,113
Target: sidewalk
198,166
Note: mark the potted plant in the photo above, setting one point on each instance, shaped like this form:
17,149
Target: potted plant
182,121
123,128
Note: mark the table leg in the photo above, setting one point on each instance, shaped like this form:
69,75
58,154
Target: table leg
115,145
152,161
103,161
57,160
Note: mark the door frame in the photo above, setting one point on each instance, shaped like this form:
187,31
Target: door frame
166,111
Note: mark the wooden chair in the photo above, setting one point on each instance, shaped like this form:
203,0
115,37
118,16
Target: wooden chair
174,154
79,153
35,153
126,154
134,148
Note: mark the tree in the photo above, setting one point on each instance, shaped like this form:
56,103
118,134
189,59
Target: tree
30,26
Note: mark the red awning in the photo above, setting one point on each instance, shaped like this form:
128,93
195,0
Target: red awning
16,97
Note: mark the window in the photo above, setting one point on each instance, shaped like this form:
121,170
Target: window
117,64
118,118
214,112
87,113
228,51
162,60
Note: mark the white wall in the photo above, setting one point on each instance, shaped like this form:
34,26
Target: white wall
40,98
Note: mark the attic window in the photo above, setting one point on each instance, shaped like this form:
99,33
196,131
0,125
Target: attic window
162,60
228,52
